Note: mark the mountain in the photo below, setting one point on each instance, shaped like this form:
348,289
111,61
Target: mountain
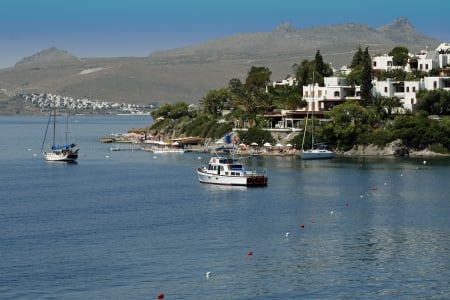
187,74
50,55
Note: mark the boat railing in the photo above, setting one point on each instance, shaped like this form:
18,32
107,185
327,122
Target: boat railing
257,173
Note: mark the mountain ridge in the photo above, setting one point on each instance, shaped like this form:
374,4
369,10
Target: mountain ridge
188,73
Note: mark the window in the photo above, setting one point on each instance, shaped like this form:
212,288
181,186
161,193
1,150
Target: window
414,89
336,93
385,89
407,89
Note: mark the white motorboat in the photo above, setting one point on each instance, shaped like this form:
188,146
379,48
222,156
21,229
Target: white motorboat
229,171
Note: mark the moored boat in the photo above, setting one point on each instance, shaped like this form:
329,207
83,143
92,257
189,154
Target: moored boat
230,171
317,151
67,152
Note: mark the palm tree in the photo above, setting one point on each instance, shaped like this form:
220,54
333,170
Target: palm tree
251,103
391,103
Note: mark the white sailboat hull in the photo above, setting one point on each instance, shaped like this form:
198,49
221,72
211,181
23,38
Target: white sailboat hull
317,154
60,156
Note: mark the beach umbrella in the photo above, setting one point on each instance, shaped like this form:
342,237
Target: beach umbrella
254,144
278,145
288,145
267,144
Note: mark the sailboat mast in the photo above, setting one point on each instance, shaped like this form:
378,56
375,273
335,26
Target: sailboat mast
67,126
312,112
54,125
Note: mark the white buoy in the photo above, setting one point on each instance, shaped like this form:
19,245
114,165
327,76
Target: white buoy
286,234
331,212
424,162
208,274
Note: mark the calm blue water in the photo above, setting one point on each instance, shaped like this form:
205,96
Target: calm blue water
131,225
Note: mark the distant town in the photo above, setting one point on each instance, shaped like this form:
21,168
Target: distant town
46,102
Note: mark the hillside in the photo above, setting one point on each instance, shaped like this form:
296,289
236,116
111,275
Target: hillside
186,74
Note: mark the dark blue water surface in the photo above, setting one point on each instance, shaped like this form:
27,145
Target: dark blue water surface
132,225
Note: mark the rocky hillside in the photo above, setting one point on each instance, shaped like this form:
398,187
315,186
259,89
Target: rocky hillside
186,74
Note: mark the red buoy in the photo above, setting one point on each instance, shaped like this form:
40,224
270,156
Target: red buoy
302,225
161,296
250,253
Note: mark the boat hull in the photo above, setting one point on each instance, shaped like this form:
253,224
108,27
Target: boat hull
63,157
250,180
317,154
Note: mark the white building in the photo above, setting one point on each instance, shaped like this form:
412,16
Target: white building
335,91
406,91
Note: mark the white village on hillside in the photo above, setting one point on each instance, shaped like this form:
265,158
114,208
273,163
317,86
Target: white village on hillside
336,91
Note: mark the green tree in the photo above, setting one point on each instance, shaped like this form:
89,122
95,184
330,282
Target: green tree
215,101
302,72
256,135
178,110
394,74
366,79
357,58
286,97
257,79
235,86
391,103
399,55
434,101
348,120
251,103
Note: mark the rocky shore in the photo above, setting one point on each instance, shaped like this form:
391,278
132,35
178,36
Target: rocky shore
395,148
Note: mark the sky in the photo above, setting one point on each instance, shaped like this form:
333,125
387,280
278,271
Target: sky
110,28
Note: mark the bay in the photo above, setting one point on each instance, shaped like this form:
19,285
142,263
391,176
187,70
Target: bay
131,224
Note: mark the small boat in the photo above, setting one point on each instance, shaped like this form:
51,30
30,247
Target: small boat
67,152
229,171
319,150
167,150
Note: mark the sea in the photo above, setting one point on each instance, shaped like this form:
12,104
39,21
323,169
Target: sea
135,225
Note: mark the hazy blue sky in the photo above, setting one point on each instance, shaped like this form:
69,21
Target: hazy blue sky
101,28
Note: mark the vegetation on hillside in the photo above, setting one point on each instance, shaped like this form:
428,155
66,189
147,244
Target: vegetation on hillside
373,120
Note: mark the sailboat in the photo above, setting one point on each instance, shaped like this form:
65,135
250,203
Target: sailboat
67,152
318,150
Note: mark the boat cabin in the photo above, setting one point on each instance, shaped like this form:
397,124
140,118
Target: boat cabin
225,166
